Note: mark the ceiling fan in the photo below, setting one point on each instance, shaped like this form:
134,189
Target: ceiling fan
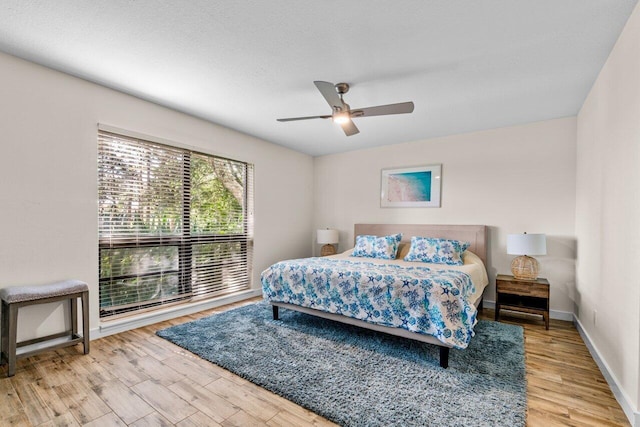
342,112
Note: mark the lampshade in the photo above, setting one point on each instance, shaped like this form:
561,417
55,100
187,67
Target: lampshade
327,236
526,244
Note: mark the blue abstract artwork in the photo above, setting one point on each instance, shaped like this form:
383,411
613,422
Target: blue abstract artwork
412,187
409,187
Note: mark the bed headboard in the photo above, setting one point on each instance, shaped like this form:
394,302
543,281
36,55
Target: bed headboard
476,235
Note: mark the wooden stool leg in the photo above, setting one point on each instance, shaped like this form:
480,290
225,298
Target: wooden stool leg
73,305
85,321
13,334
4,330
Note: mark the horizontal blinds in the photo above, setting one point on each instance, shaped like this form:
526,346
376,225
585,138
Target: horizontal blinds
140,188
173,224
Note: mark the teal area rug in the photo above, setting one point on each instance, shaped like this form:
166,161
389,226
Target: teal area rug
356,377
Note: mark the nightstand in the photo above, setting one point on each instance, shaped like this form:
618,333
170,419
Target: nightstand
525,296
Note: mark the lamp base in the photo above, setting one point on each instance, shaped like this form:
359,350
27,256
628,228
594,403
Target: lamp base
525,268
327,250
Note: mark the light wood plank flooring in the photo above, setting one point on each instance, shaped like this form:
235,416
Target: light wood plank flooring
138,379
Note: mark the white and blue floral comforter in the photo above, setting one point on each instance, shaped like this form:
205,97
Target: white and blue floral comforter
419,299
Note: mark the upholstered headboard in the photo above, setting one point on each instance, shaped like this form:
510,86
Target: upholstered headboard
476,235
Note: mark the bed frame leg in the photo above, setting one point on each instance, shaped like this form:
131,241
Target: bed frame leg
481,304
444,357
275,312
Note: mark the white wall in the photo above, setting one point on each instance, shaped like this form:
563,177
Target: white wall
608,212
513,179
48,180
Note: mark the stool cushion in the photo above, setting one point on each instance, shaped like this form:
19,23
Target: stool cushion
15,294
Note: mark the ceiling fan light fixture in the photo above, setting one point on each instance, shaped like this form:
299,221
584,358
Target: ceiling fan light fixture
341,118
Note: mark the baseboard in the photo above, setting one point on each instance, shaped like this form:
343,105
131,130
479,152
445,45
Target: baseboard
553,314
621,397
117,326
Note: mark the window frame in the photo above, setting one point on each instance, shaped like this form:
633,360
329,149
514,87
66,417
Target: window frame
184,242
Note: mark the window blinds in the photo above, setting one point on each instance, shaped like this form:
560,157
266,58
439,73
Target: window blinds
174,225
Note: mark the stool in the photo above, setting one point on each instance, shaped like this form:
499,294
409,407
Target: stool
19,296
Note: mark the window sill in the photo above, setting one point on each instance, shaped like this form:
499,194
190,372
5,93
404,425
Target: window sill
110,327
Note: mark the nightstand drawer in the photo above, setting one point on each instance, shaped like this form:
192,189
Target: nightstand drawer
519,288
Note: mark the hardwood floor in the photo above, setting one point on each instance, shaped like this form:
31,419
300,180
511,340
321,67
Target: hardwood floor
564,385
138,379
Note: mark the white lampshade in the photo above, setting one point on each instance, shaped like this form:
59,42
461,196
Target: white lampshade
526,244
327,236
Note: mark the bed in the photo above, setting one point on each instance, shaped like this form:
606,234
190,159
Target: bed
431,303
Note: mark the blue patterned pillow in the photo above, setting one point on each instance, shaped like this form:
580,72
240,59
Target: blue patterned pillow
377,247
437,251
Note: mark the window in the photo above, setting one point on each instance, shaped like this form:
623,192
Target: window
174,225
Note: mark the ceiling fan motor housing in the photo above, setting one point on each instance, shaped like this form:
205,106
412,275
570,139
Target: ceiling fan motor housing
342,88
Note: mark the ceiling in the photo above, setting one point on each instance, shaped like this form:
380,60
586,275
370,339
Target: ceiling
467,65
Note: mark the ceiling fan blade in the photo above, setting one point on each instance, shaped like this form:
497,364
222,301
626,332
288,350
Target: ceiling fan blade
349,128
383,110
292,119
328,91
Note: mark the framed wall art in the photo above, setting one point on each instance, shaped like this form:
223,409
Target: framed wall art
416,187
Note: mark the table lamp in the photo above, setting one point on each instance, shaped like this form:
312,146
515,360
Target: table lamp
327,238
524,266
